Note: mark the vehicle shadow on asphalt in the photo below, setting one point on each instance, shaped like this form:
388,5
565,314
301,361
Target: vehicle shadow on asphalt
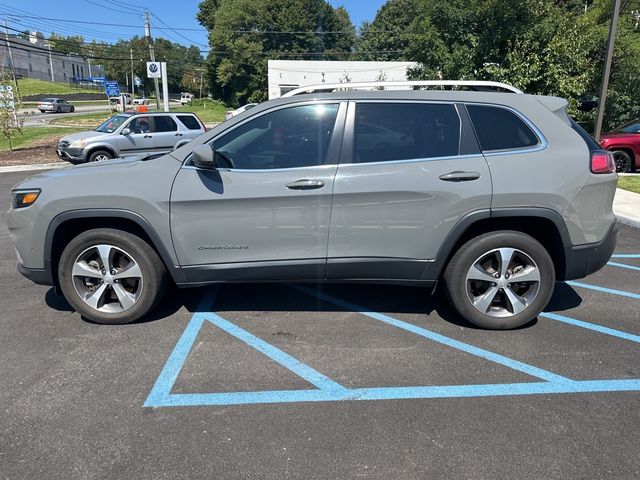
274,297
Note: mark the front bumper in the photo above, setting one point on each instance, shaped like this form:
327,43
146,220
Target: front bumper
583,260
73,155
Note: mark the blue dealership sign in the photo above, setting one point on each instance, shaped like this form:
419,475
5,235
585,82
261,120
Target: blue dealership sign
112,89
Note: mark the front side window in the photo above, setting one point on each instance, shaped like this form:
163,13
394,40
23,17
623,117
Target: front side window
165,123
500,129
140,125
287,138
405,131
112,124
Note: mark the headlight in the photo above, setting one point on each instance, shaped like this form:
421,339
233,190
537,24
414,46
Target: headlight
78,143
24,198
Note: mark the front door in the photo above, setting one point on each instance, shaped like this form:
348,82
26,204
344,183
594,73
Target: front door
408,176
264,212
139,139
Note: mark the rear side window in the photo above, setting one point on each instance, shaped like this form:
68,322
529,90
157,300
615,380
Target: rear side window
165,124
405,131
190,122
500,129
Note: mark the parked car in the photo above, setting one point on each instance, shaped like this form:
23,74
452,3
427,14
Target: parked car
130,133
116,99
232,113
57,105
186,98
472,200
624,144
141,101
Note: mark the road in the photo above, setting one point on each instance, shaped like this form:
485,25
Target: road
43,119
309,382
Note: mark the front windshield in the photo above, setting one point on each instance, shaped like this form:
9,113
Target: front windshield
112,124
631,127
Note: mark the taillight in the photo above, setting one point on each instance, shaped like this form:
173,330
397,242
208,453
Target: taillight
602,162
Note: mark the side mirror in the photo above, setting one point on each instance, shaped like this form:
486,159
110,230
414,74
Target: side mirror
126,131
203,157
181,143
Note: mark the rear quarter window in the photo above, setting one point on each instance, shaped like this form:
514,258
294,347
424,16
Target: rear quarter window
500,129
190,122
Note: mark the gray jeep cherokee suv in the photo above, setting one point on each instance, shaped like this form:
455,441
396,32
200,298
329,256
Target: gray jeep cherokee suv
496,195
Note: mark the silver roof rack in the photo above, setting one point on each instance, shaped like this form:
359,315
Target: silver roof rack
330,87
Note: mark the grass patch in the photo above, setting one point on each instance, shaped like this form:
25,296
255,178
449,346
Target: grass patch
631,183
209,111
30,86
35,136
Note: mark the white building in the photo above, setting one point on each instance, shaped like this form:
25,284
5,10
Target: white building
286,75
32,59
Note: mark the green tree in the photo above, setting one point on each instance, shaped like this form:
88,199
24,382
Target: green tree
243,34
390,31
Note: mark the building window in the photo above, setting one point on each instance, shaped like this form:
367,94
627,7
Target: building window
65,75
64,64
30,68
73,67
82,71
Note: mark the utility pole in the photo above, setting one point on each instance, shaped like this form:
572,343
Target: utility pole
607,68
201,78
13,68
133,78
50,61
147,34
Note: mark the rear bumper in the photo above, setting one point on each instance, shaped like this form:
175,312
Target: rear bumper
39,276
583,260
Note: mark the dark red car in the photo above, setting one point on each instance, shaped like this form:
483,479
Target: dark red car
624,143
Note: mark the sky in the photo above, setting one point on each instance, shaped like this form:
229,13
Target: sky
127,12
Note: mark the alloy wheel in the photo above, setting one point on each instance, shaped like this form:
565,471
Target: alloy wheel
107,278
503,282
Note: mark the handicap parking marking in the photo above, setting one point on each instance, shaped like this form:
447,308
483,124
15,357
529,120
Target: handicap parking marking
623,265
329,391
591,326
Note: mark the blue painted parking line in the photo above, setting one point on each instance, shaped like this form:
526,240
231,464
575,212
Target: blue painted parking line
612,291
591,326
623,265
436,337
329,391
625,255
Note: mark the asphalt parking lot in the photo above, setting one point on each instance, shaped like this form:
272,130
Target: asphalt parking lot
343,381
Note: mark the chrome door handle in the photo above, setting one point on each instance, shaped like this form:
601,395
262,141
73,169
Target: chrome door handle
148,136
178,134
305,184
458,176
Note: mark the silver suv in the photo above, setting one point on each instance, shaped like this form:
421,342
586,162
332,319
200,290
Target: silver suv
493,195
131,134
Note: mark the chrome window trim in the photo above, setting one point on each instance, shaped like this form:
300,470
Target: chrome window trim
414,160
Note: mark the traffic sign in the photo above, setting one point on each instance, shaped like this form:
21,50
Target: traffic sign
154,70
137,81
112,89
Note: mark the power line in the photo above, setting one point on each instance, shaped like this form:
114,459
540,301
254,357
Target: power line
126,12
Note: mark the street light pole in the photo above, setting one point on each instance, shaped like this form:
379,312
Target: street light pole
607,68
51,62
147,34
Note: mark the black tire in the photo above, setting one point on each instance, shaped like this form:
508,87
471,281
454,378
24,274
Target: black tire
99,153
58,110
624,162
72,109
42,111
154,277
455,278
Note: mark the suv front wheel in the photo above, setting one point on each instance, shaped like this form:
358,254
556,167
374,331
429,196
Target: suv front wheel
500,280
111,276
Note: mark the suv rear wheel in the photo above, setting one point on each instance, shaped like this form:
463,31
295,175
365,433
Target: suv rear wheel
110,276
500,280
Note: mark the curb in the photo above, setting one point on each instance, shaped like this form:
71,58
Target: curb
35,167
626,207
631,222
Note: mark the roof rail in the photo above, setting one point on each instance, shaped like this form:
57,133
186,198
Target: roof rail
473,84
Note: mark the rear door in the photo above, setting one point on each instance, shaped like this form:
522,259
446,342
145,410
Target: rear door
165,132
409,172
264,212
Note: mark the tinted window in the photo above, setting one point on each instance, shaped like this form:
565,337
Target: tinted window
139,125
190,122
287,138
165,124
404,131
500,129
